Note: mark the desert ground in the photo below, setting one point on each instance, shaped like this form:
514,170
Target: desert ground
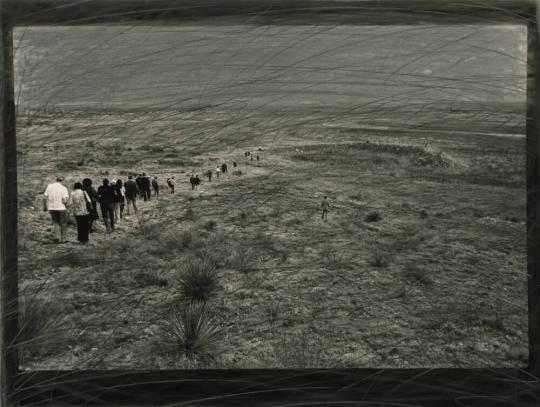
422,262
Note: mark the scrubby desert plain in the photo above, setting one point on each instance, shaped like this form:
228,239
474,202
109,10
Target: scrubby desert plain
436,278
415,134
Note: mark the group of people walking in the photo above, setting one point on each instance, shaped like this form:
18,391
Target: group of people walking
112,198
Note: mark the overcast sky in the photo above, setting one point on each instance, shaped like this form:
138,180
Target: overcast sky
265,66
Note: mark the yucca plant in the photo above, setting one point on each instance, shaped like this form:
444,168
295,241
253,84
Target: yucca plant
193,331
198,279
38,327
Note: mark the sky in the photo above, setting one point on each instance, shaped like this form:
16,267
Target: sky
259,67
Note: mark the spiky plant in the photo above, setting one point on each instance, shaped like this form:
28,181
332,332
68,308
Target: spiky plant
192,330
198,279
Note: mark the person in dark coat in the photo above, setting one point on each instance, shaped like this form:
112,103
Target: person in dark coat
145,186
192,181
132,192
107,198
197,182
93,216
224,168
209,175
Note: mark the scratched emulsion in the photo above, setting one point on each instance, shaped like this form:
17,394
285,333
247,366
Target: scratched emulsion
415,135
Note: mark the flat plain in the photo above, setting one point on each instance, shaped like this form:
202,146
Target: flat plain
421,263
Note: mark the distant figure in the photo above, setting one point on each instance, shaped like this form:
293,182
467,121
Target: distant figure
92,193
197,182
56,196
209,175
79,203
155,186
234,164
107,198
120,200
325,205
145,183
218,171
131,193
224,168
192,181
251,157
257,157
171,183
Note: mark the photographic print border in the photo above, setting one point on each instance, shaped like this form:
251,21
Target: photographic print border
425,387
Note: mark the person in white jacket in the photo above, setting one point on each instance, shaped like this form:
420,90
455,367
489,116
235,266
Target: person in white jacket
55,198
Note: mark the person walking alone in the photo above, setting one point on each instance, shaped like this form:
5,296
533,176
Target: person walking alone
56,196
325,205
171,183
80,203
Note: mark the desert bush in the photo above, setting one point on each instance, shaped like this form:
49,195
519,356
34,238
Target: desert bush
272,310
193,331
189,214
300,350
198,279
241,259
39,326
332,257
237,172
419,275
423,214
66,165
378,260
210,225
373,217
150,278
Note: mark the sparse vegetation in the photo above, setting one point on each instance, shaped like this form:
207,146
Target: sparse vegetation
198,279
373,217
193,331
378,259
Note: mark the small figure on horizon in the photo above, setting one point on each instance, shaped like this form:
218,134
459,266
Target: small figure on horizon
257,157
224,168
218,170
234,164
55,198
197,182
192,181
155,186
209,175
171,183
325,205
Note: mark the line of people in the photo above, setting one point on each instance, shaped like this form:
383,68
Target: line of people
112,197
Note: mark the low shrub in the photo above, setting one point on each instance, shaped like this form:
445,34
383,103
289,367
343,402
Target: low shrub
418,275
39,327
237,172
198,279
193,331
373,217
150,278
210,225
378,260
241,259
